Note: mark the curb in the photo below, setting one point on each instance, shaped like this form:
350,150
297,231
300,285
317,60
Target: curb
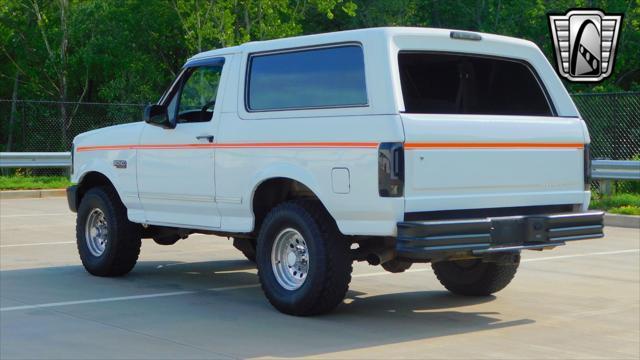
31,194
625,221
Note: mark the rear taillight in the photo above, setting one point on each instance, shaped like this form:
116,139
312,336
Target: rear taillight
391,169
73,148
587,167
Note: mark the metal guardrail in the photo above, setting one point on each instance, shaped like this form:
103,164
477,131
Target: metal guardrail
35,159
600,169
615,170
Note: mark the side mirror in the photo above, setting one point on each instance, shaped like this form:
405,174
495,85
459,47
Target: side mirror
157,115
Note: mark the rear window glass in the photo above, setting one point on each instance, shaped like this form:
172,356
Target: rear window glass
462,84
314,78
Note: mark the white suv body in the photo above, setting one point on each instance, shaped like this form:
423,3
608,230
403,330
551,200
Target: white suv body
367,122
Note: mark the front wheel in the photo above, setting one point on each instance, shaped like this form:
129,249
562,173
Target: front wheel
474,277
108,243
303,261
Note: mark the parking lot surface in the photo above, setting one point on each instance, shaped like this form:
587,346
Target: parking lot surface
201,299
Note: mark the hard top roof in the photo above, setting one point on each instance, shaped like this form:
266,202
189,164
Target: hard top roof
380,34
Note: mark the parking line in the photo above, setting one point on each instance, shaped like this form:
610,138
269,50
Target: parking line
92,301
122,298
237,287
37,244
381,273
582,255
34,215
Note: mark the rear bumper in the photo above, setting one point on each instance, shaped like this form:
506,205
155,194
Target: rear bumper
421,240
72,197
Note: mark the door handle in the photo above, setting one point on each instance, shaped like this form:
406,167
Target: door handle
209,138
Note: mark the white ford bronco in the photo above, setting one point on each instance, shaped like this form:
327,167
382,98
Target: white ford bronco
390,145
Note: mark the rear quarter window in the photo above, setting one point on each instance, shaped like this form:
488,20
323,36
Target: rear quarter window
442,83
307,79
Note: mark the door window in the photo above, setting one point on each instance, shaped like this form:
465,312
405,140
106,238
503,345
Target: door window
197,100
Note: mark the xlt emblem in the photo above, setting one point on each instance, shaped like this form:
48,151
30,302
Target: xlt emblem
585,43
120,164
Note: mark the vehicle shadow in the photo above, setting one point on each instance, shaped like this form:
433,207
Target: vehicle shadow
240,322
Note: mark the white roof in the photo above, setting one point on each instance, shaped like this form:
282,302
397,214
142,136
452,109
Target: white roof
380,34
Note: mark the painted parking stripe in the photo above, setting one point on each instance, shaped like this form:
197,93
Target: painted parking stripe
229,288
33,215
121,298
582,255
38,244
381,273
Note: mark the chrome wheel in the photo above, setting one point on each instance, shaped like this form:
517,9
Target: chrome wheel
96,232
290,259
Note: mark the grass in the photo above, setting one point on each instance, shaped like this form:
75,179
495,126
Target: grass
625,204
33,182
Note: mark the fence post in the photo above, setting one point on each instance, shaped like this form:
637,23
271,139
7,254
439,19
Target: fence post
605,187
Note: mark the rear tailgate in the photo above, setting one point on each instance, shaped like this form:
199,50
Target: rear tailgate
456,162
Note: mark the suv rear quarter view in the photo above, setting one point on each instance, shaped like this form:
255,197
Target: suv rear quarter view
393,146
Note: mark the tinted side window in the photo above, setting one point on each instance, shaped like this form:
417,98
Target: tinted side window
198,95
462,84
327,77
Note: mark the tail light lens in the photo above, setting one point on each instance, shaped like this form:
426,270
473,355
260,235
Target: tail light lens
587,167
73,148
391,169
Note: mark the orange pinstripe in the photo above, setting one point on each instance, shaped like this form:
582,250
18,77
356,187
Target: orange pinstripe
505,145
317,145
355,145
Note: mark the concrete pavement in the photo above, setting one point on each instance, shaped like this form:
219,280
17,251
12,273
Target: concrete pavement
200,299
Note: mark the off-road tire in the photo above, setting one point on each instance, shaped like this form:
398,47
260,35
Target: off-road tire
478,279
123,245
330,263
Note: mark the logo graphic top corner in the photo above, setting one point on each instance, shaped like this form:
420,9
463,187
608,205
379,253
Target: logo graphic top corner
585,42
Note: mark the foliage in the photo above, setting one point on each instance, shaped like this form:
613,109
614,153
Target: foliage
626,210
129,50
33,182
628,204
520,18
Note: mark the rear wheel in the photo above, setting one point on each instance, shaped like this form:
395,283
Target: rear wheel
108,243
474,277
303,261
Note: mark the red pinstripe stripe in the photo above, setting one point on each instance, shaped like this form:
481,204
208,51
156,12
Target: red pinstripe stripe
505,145
356,145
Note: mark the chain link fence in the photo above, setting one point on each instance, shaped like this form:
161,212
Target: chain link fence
50,126
613,120
25,125
614,124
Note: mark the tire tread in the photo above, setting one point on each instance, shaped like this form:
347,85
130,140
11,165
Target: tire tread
128,236
495,278
338,267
